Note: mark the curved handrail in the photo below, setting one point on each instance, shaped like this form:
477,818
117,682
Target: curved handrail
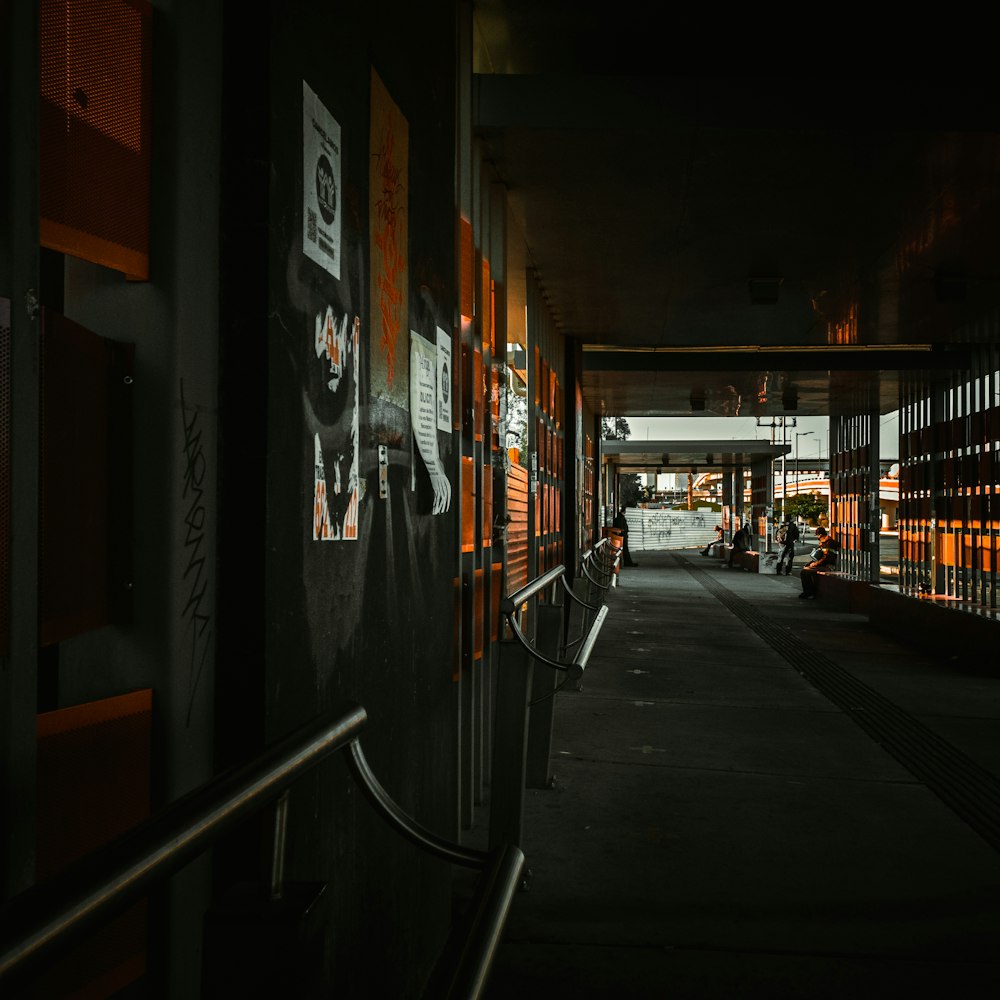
61,910
598,545
576,667
569,590
607,559
541,657
510,604
391,812
596,583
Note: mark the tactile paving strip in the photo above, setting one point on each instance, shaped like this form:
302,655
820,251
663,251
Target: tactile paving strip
968,789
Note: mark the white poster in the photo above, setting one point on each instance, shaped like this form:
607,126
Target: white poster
443,380
320,183
423,416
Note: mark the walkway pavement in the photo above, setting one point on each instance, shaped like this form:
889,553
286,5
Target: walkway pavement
757,796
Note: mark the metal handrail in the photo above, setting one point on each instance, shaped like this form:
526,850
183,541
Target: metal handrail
56,913
608,558
588,647
61,910
477,947
578,665
510,604
579,600
596,583
401,822
605,558
588,608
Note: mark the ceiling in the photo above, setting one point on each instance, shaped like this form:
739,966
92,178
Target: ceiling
689,456
739,245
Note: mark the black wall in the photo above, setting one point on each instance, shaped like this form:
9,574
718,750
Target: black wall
367,621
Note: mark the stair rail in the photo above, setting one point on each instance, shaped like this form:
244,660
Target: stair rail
37,924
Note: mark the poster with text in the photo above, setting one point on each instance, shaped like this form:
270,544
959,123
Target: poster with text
444,380
320,183
423,416
389,149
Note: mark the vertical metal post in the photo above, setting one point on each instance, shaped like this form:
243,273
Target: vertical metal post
875,484
784,477
277,889
582,588
544,682
510,744
19,281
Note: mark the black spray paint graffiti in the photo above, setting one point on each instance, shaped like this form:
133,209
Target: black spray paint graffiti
196,610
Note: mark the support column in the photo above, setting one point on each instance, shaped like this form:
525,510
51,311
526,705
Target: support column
874,479
19,332
727,495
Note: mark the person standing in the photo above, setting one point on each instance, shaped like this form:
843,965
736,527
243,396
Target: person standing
621,523
788,535
824,558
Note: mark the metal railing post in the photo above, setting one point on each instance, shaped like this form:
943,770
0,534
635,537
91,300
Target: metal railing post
510,744
549,623
278,852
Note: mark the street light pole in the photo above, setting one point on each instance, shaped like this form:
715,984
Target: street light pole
798,434
783,423
784,478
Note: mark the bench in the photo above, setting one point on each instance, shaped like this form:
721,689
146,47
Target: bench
843,591
747,559
938,624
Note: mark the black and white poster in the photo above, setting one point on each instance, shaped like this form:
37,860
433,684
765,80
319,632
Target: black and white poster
320,183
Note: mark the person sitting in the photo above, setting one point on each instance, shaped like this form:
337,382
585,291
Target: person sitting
824,558
719,536
741,543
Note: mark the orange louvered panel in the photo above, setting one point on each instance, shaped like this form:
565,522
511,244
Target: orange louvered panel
94,131
946,549
517,529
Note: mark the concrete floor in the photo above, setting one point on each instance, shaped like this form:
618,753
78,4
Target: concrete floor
718,827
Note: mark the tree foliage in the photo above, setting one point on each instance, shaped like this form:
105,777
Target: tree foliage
807,506
630,493
615,429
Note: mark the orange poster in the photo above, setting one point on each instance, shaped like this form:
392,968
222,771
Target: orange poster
388,204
